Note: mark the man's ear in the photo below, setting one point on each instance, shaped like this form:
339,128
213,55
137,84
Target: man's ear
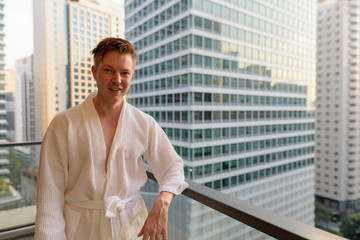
93,71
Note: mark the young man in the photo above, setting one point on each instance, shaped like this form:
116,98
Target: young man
91,167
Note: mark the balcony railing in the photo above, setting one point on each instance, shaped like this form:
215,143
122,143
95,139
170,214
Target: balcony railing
354,20
353,28
354,11
267,222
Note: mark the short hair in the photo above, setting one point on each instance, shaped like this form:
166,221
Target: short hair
111,44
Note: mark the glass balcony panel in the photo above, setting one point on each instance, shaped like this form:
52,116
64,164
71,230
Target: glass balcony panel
189,219
18,185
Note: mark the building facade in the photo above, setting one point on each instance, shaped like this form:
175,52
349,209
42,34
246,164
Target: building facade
232,83
10,116
24,110
9,88
65,33
3,123
338,98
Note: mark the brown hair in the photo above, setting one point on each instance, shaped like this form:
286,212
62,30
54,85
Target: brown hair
110,44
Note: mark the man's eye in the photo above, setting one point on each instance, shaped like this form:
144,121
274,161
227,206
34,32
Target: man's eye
126,73
108,70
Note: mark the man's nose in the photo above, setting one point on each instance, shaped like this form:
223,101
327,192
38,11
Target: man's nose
116,78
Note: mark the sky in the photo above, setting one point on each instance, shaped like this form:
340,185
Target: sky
19,40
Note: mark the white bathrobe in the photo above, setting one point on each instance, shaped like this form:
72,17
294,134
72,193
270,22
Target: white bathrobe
77,198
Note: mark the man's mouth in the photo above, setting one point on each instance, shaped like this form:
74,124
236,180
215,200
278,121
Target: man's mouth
115,89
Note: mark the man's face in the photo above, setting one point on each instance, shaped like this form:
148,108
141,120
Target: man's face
113,77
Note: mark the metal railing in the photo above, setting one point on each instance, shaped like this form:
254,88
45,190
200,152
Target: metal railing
270,223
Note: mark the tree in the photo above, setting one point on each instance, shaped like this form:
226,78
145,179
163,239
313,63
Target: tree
3,185
322,212
355,218
347,228
4,189
350,226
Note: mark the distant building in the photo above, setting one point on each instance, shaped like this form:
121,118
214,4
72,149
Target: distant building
10,116
337,106
3,124
232,83
9,89
28,173
9,81
62,59
29,185
24,100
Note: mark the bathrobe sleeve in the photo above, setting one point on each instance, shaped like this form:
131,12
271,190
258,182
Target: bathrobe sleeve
166,164
50,223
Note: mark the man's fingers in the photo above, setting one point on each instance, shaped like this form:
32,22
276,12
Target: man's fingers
146,236
164,234
141,231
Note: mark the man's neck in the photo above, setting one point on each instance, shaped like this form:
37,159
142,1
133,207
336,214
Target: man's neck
105,110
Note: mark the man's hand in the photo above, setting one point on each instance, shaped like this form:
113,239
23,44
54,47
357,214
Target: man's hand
156,222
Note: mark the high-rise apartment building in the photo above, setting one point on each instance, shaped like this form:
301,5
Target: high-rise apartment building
9,88
3,133
232,84
10,116
337,106
9,81
65,31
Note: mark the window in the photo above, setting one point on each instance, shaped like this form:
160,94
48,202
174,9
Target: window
198,60
197,21
207,43
207,62
208,25
198,41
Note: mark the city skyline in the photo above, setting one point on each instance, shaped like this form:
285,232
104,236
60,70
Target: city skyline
62,79
16,29
232,85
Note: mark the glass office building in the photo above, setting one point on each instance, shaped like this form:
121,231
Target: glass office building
232,84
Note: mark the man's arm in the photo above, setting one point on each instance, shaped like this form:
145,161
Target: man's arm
50,222
156,222
167,166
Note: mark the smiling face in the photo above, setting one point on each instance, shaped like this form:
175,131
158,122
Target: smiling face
113,77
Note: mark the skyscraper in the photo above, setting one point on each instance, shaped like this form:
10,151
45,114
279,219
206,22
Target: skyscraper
65,32
337,105
232,84
9,88
24,100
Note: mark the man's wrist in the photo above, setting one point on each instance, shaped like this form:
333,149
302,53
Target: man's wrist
165,198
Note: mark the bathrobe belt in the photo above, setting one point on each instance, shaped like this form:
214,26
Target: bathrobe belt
127,209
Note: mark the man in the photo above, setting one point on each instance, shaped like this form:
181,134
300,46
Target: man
91,167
